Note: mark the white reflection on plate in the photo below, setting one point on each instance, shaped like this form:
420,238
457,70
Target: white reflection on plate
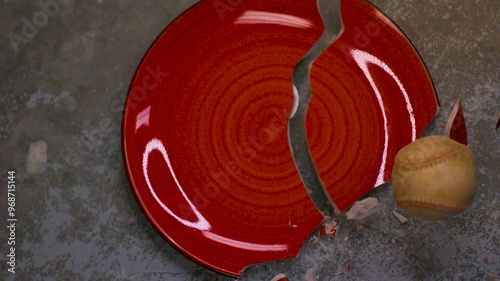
156,144
363,58
258,17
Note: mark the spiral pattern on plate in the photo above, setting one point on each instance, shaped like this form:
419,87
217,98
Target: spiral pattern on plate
248,125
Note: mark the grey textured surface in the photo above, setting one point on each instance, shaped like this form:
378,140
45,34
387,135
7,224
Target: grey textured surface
78,220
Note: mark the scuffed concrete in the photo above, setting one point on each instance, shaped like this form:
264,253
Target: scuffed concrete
79,221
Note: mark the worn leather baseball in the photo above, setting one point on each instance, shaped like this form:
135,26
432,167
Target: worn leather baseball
434,178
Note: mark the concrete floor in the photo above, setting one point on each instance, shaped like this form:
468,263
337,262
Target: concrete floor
79,221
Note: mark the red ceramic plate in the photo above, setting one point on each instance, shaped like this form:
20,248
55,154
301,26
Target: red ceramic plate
205,125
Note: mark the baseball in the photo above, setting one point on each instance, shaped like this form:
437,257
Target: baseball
434,178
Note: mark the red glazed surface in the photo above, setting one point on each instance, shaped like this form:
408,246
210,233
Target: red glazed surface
456,128
205,125
374,96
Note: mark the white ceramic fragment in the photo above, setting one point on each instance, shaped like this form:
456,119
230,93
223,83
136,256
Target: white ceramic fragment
280,277
400,217
311,275
363,209
37,157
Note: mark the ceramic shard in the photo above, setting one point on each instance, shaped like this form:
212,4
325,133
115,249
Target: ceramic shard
363,209
280,277
36,162
455,127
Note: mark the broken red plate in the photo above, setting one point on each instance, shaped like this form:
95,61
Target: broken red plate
205,124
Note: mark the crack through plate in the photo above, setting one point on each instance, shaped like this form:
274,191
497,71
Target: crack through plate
332,19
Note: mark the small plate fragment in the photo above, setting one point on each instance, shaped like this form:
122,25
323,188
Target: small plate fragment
36,162
280,277
328,227
455,127
363,209
311,275
400,217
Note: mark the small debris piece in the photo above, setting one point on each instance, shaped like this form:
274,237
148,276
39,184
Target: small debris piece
323,247
37,157
328,227
311,275
363,209
455,127
280,277
486,260
400,217
348,267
